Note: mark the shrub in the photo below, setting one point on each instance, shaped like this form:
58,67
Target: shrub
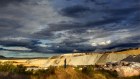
9,67
109,74
20,69
88,70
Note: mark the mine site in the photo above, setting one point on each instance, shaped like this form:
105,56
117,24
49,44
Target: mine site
123,64
69,39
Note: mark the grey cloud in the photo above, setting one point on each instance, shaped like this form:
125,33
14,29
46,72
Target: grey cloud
122,12
7,2
66,25
124,46
75,11
23,43
8,27
72,25
105,21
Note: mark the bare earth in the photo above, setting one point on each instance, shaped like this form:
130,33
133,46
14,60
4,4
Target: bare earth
75,59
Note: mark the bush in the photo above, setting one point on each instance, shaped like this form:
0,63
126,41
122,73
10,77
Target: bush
9,71
20,69
88,70
109,73
9,67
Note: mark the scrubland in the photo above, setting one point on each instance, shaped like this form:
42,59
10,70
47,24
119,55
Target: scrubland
9,71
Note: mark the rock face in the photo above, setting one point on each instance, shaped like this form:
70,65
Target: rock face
132,58
129,67
80,59
85,59
111,57
126,71
72,59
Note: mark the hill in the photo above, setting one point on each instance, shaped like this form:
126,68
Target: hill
2,56
130,52
76,59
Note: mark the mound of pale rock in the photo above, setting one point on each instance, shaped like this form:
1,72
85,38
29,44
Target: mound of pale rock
132,58
128,71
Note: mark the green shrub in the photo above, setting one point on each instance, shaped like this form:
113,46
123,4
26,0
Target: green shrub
9,67
88,70
110,73
20,69
9,71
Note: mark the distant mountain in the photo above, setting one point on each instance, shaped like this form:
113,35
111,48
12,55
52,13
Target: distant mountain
2,56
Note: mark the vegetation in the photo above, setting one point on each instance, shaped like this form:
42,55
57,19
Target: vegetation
9,67
49,71
9,71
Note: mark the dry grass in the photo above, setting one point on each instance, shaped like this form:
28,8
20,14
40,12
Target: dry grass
130,52
65,73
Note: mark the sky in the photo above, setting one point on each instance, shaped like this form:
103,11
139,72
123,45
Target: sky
38,27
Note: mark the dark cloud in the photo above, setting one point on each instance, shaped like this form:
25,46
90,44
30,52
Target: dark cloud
24,43
122,11
77,26
6,24
90,0
7,2
8,27
75,11
124,46
105,21
52,26
64,26
29,44
78,31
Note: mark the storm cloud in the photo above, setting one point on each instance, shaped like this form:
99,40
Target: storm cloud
62,26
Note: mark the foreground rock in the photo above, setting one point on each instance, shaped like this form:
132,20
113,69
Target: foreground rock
123,68
126,71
